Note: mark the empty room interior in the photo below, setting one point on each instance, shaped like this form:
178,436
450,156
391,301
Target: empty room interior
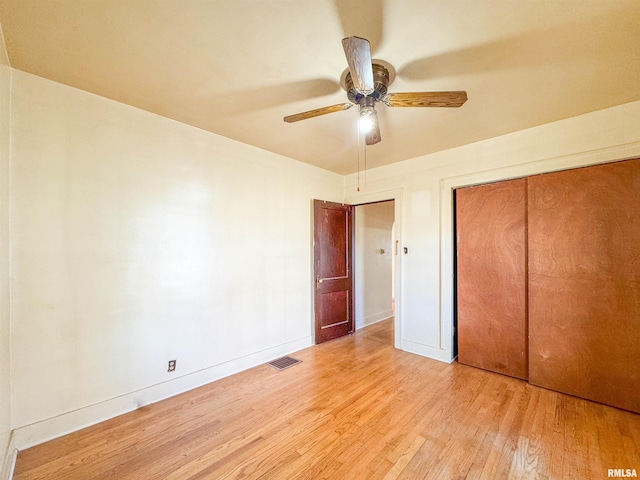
319,239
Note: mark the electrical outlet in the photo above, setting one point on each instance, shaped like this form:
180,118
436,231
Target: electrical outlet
172,365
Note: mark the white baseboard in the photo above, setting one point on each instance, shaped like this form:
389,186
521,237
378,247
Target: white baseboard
9,459
426,351
42,431
371,319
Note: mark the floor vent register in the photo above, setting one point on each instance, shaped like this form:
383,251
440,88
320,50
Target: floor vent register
284,362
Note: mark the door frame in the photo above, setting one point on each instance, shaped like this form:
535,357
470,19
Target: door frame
383,196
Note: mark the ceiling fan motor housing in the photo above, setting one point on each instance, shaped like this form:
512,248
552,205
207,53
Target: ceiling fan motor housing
380,84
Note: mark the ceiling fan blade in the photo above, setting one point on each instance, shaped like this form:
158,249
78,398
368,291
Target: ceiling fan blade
373,136
358,53
317,112
425,99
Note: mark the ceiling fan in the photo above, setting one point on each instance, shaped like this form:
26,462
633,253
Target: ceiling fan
366,84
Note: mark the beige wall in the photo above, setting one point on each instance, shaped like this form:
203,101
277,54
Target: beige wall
426,219
5,384
138,240
373,269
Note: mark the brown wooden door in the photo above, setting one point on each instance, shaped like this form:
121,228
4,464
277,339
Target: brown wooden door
333,258
491,277
584,282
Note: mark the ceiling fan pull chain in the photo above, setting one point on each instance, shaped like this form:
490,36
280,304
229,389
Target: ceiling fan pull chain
358,151
365,164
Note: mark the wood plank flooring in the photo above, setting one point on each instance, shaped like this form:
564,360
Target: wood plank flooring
355,408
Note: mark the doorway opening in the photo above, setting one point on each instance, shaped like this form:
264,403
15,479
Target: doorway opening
374,264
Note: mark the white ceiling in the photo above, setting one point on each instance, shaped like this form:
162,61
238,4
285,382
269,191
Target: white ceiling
237,67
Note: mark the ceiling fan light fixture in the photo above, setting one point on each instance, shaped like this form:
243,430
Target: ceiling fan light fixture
368,119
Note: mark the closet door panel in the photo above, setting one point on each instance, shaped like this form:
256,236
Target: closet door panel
491,277
584,282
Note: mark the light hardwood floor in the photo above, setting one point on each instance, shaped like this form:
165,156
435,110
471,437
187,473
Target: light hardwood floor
355,408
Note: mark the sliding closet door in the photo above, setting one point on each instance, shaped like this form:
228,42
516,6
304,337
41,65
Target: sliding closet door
584,282
491,277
